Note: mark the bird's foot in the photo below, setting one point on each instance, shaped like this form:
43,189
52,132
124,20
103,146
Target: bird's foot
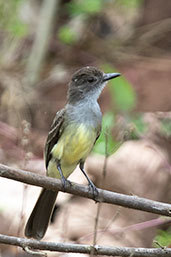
94,189
65,183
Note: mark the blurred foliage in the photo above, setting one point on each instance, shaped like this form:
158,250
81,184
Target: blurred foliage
87,8
124,99
9,18
136,128
67,35
122,92
105,144
138,122
163,238
166,126
129,3
84,7
133,128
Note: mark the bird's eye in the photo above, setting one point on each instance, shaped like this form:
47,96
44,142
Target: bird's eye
91,79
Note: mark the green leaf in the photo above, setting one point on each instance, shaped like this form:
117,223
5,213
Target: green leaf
17,28
122,92
9,18
85,7
105,143
163,238
129,3
66,35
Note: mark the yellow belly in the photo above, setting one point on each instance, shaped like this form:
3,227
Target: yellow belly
74,145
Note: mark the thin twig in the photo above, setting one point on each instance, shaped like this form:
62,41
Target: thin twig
95,228
102,182
80,248
129,201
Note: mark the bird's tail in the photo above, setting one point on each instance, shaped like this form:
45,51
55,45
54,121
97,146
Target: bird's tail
39,219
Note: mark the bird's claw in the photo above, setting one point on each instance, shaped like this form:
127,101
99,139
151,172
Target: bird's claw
93,188
65,183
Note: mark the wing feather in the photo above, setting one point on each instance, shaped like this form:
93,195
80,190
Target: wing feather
54,134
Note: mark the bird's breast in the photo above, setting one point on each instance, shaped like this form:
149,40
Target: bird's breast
75,143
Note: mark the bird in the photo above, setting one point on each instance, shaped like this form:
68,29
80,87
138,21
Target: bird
70,140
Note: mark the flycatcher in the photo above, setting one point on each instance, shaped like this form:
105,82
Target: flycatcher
73,133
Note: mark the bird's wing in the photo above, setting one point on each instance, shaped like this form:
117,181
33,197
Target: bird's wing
54,134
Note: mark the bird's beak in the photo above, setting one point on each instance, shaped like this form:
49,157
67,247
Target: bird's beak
109,76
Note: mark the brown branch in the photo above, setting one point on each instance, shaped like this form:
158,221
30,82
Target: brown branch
105,196
80,248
